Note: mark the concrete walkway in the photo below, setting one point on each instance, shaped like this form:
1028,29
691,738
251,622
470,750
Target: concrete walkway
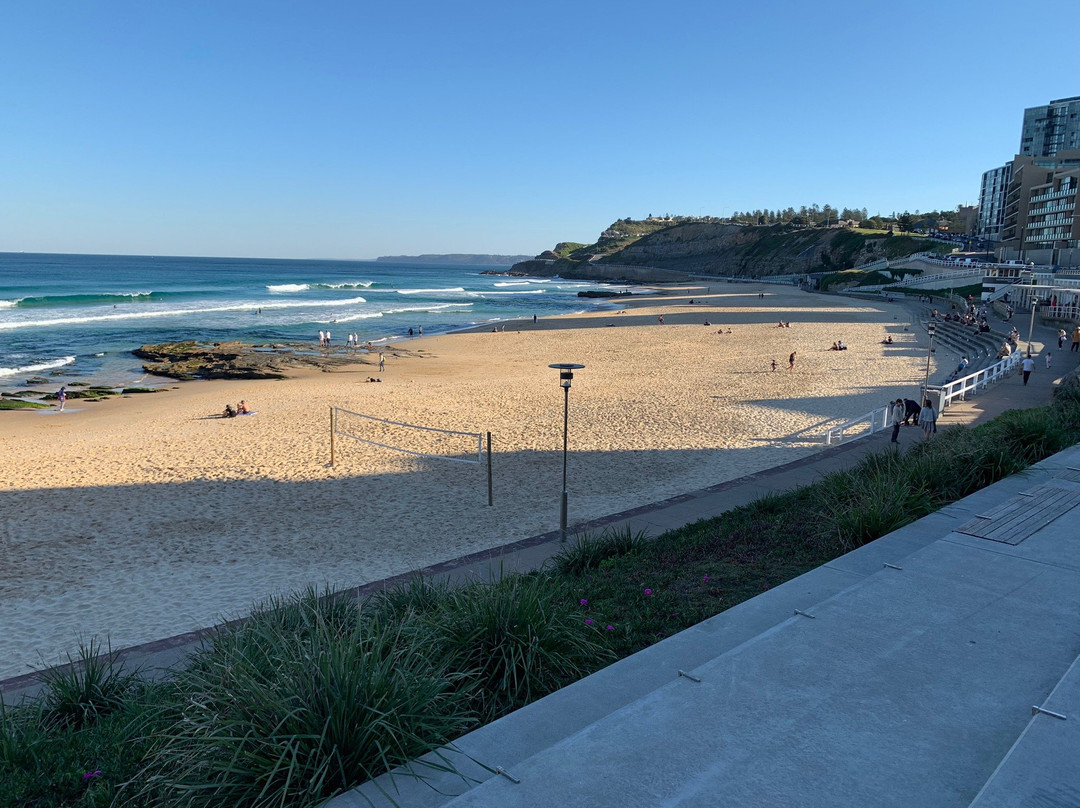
907,677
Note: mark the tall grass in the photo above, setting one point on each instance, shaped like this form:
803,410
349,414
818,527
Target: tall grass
512,641
272,718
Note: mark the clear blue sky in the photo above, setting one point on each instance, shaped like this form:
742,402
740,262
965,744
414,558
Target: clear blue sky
351,130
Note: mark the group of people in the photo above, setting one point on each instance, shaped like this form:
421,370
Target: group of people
838,346
1074,337
784,324
902,411
241,409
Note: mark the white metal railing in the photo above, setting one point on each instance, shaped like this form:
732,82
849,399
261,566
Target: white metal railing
973,382
879,419
868,424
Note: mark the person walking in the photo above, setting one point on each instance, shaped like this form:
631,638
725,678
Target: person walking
1076,339
1027,366
928,419
1061,338
382,362
897,411
774,366
61,396
1048,358
791,361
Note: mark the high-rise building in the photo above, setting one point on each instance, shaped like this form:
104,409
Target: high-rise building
1049,129
995,183
1042,209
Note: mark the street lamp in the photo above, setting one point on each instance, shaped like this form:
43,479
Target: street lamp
1031,328
566,376
930,329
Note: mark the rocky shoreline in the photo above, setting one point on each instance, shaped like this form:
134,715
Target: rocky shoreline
238,360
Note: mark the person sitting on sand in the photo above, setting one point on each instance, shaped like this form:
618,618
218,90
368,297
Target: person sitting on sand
229,412
242,408
835,347
707,323
887,340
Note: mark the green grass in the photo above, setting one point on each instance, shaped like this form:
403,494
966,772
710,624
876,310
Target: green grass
16,404
316,693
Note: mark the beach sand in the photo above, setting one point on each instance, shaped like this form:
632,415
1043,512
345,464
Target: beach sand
146,517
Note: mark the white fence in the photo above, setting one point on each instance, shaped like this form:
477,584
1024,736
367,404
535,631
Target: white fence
879,419
958,390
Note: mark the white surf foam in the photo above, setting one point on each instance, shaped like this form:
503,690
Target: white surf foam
56,363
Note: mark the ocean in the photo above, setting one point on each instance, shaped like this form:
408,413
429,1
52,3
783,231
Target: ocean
78,317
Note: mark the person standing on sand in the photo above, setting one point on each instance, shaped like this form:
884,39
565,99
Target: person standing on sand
382,362
1027,366
791,361
322,338
774,366
62,397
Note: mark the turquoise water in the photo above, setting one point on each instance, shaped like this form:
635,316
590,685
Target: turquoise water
71,317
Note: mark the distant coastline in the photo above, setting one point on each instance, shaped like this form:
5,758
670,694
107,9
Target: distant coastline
460,259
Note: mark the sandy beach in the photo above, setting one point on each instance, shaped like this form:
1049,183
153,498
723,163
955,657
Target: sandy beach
145,517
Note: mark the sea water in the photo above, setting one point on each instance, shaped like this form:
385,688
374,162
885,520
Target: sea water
69,317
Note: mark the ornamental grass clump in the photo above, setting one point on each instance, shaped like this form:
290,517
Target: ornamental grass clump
91,685
272,718
588,551
512,641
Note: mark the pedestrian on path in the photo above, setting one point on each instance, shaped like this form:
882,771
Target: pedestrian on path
1048,360
1027,366
898,412
62,397
928,419
1076,339
1061,338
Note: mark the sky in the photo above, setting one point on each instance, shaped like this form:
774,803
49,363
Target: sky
332,129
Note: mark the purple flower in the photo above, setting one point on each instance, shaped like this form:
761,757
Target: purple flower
589,621
611,628
90,775
648,591
583,602
705,578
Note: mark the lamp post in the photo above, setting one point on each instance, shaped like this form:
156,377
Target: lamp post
930,329
566,376
1031,327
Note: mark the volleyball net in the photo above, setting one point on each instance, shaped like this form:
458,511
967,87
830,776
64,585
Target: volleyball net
412,439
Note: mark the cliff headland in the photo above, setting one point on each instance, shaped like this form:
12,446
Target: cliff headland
673,250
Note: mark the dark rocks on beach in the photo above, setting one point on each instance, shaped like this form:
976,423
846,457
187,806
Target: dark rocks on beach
602,293
33,381
238,360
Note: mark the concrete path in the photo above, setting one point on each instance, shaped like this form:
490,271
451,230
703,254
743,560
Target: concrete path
907,677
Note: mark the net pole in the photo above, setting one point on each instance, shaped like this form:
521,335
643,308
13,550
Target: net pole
332,436
491,499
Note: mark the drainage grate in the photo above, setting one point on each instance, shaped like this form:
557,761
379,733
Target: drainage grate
1023,515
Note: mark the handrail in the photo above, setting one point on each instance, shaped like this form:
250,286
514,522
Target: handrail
879,419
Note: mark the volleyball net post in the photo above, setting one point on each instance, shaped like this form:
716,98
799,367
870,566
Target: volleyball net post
380,431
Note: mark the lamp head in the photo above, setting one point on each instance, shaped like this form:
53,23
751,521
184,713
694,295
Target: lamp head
566,372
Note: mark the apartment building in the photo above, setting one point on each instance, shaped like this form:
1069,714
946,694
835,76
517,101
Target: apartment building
995,184
1050,129
1041,218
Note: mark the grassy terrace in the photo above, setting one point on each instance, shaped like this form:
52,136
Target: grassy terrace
316,694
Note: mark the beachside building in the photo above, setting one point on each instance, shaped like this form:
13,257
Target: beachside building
995,183
1042,221
1051,128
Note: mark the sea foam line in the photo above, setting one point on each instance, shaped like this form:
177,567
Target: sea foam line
56,363
429,291
144,315
289,287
